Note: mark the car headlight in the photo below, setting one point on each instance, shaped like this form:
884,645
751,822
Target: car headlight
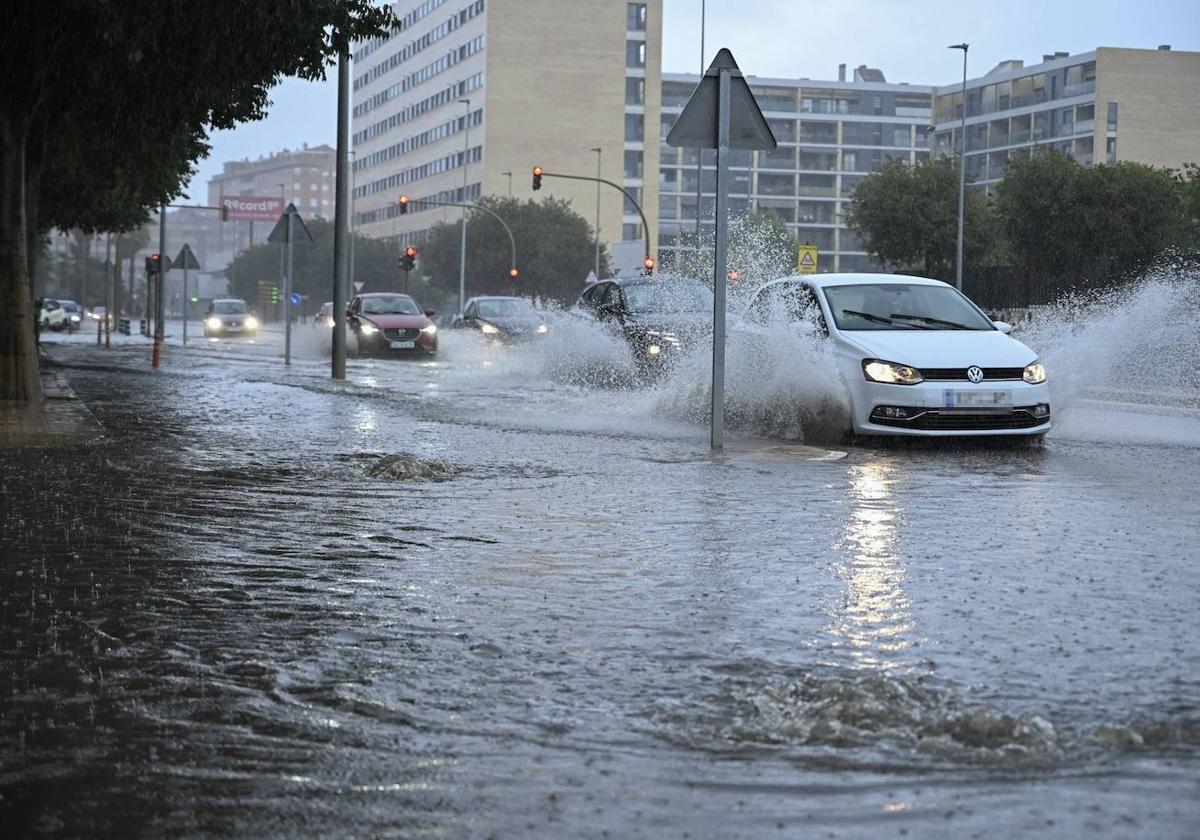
251,323
891,373
214,323
654,349
1035,374
368,329
430,330
75,318
542,328
488,329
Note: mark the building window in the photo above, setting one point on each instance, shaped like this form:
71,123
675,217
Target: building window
818,132
1112,116
633,164
629,207
635,91
631,233
769,184
634,127
635,17
635,53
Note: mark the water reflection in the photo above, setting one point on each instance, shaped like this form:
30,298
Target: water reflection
872,623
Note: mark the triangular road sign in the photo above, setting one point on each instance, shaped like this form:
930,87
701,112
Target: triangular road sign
279,233
358,285
696,125
186,259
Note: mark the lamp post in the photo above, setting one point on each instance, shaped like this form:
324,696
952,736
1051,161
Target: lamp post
462,245
962,167
509,174
281,311
699,152
599,153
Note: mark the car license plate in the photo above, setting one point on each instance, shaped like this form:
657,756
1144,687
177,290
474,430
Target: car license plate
978,399
402,345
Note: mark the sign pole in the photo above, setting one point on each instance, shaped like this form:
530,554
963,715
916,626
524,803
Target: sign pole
287,298
185,302
721,258
343,262
160,309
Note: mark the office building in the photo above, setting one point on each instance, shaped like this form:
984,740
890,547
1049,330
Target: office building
466,96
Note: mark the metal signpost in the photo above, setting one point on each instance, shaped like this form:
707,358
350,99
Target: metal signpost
721,114
188,262
285,231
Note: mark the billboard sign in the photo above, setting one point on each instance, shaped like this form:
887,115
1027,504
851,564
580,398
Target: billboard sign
252,208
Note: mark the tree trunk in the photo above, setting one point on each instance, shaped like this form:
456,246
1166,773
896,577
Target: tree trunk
19,379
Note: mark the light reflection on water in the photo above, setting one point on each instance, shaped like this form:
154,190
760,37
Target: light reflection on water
875,617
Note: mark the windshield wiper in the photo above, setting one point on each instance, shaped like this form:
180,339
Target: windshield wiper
925,319
879,319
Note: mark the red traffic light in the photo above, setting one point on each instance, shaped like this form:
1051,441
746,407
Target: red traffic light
410,251
512,272
403,204
537,177
648,264
734,275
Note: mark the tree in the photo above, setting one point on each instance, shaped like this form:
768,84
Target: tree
107,104
312,263
908,216
1070,224
1187,188
555,251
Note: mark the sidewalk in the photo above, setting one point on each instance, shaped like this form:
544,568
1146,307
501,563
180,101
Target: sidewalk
61,420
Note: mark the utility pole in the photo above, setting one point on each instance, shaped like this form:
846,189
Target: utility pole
282,303
341,221
599,152
699,152
962,168
462,245
160,309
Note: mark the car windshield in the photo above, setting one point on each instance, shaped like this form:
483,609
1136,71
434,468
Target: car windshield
395,305
510,308
902,306
70,306
229,307
665,296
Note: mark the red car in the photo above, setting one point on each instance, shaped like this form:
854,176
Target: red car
385,322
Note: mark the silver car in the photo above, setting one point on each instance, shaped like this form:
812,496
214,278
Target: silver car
229,317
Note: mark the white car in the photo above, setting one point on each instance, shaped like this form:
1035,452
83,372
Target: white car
916,356
228,317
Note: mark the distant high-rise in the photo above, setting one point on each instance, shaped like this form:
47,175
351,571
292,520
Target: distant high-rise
498,86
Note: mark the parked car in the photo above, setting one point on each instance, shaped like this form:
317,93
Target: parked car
503,319
916,356
52,315
391,323
229,317
659,317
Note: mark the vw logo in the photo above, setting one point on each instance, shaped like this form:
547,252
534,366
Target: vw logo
975,373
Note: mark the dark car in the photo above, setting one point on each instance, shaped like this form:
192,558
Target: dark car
503,318
385,322
659,317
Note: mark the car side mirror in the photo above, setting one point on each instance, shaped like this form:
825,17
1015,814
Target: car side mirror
349,313
1003,326
429,313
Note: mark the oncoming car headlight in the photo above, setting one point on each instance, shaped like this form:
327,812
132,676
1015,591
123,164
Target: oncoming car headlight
1035,374
251,323
214,323
542,329
368,329
891,373
430,330
488,329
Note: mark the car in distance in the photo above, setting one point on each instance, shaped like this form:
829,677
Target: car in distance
916,356
324,316
386,322
503,318
73,313
658,317
229,317
51,314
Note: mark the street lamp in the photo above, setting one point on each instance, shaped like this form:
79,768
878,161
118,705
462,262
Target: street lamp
509,174
699,152
462,245
598,152
962,167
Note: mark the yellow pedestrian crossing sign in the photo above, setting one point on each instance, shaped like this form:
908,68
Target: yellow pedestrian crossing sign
806,259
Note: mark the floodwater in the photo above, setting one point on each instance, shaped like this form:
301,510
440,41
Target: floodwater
243,614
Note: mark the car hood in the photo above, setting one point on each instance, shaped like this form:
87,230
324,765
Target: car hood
513,322
683,323
941,348
396,322
231,316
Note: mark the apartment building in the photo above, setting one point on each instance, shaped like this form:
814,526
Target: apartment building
1102,106
466,96
830,135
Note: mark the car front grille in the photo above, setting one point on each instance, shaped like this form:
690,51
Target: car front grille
401,335
932,420
960,374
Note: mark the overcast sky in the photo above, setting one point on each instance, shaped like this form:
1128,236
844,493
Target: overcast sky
808,38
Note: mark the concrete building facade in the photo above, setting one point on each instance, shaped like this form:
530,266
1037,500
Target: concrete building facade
466,96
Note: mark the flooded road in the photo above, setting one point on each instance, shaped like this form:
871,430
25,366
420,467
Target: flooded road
231,617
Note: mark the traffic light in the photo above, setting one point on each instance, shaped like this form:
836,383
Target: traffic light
648,266
537,177
224,212
512,273
734,275
274,294
409,260
157,264
403,204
